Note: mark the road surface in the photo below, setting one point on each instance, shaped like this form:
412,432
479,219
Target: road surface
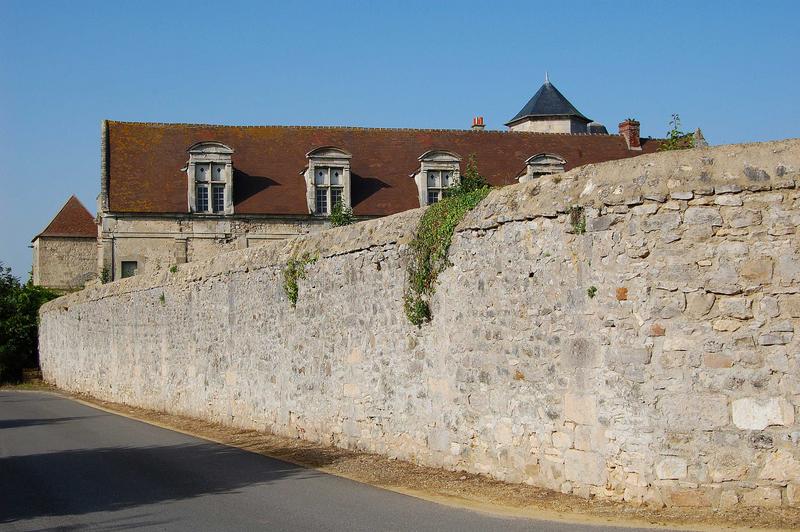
67,466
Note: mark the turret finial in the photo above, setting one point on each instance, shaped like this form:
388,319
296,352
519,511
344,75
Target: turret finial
546,77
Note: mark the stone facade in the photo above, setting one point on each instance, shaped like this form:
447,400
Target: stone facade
157,242
639,348
64,263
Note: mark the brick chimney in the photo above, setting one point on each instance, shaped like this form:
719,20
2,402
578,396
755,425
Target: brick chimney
630,130
477,124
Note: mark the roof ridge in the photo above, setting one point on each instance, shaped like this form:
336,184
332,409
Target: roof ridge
358,128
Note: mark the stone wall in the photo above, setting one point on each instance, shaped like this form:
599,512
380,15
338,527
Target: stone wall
64,263
642,348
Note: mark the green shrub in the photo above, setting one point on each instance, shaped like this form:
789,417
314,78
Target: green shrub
19,324
676,139
341,215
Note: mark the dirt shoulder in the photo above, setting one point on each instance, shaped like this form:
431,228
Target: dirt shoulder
464,490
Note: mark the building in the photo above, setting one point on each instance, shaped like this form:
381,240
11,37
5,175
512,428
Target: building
65,252
172,193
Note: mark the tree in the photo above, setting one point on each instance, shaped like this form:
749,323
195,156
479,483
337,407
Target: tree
19,324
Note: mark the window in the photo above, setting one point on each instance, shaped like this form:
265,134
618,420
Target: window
210,171
327,179
542,164
438,181
129,268
438,171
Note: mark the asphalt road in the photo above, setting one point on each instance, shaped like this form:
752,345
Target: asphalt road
67,466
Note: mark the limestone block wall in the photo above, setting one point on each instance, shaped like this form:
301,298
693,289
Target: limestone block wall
641,347
64,263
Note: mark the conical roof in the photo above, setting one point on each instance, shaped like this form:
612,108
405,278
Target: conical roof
72,220
547,101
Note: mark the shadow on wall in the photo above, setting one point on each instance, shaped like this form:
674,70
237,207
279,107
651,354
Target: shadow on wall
85,481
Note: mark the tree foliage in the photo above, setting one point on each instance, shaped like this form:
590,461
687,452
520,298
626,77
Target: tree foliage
676,138
19,324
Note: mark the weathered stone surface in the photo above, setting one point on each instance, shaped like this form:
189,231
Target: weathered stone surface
757,270
705,412
727,465
781,466
585,467
581,409
699,303
756,413
735,307
702,216
671,467
791,305
762,496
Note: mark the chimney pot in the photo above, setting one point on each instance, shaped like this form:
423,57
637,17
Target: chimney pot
477,124
629,129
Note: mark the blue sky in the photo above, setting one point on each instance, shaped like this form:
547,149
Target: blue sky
730,68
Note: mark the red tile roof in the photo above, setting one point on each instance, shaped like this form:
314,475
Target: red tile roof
73,220
145,162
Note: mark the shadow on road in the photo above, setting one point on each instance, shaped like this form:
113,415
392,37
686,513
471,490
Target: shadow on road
17,423
79,482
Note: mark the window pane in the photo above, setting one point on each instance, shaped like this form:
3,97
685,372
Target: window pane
202,198
446,179
319,176
336,177
218,198
129,268
433,196
322,201
432,181
201,171
218,172
336,196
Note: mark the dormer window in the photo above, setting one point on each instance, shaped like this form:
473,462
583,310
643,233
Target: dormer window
438,171
210,172
542,164
327,179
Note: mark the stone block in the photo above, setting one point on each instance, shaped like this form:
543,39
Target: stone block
585,467
619,356
589,438
580,409
735,307
791,306
656,329
671,468
793,494
726,465
439,440
686,412
688,497
562,440
781,466
740,218
622,294
774,338
728,499
699,303
726,325
757,413
768,306
702,216
728,201
762,496
717,361
757,271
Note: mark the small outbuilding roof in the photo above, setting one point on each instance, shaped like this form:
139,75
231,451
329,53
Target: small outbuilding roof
73,220
547,101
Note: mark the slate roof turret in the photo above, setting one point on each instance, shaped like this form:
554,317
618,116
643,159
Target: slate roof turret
548,101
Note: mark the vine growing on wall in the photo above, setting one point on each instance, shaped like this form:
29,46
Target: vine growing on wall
431,244
294,271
